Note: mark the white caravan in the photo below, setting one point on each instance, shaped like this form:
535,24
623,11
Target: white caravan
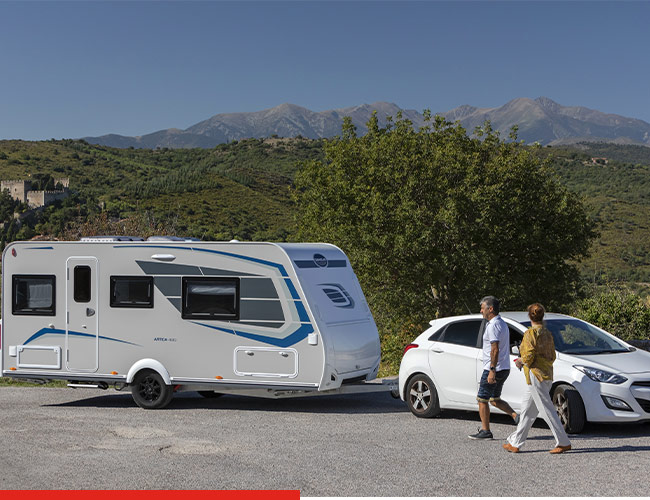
260,319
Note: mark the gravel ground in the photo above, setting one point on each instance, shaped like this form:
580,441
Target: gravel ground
355,445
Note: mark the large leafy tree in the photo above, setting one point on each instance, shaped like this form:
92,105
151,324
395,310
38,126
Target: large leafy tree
433,219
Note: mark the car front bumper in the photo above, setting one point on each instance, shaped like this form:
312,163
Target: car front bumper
635,392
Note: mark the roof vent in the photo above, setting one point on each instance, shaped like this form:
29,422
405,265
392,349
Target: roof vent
170,238
106,239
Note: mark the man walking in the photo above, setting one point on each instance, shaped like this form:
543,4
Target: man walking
496,366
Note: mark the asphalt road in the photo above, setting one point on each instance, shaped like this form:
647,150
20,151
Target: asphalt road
368,445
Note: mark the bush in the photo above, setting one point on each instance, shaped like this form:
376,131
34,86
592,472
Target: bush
618,310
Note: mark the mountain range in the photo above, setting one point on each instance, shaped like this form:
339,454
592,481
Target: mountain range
539,120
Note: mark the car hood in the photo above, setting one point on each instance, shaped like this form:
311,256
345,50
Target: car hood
620,362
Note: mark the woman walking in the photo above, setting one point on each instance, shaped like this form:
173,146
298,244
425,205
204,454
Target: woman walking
537,353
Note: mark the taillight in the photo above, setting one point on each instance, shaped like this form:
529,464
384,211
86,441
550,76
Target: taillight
410,346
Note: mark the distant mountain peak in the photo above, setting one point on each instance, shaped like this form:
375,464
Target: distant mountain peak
539,120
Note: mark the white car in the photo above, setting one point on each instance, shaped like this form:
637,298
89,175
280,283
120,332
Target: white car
597,377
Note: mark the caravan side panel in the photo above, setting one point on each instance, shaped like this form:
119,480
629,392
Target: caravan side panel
149,305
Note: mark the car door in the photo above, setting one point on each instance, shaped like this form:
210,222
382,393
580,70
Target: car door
452,357
515,385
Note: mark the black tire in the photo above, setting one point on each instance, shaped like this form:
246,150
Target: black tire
421,397
210,394
150,391
570,408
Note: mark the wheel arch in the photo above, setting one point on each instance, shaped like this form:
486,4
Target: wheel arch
148,364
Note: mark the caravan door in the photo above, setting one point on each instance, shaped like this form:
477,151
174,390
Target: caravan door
82,327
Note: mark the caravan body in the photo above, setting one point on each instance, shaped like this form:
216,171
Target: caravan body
248,318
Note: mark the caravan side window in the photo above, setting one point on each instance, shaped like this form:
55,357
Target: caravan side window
33,295
82,290
132,291
211,298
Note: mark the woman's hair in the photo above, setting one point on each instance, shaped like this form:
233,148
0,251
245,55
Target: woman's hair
536,312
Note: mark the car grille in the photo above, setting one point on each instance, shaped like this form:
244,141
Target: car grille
645,404
642,383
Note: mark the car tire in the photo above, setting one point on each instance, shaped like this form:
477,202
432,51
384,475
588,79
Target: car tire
210,394
421,397
149,390
570,408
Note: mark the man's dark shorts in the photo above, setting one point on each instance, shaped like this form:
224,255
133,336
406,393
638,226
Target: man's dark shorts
491,392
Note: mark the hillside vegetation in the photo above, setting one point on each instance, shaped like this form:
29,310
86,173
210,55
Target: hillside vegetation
241,190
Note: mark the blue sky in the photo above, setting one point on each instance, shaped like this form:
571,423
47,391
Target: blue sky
73,69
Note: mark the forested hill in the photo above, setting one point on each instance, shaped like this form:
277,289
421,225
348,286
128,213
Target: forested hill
242,190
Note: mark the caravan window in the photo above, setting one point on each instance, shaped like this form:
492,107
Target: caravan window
211,298
132,291
82,284
33,295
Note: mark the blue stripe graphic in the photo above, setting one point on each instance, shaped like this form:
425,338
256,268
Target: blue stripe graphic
279,267
56,331
295,337
302,313
292,289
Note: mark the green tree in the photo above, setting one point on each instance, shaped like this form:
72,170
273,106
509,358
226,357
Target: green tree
618,310
433,219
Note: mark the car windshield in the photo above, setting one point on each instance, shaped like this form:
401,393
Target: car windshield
574,336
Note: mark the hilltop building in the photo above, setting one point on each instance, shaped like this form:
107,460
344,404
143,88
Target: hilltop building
21,190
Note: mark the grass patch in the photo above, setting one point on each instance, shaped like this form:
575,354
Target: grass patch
8,381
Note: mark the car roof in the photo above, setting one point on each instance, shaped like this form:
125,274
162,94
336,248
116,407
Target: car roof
522,316
518,316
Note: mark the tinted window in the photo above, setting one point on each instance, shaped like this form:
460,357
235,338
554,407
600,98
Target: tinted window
515,336
211,298
131,291
463,333
33,295
81,284
574,336
438,334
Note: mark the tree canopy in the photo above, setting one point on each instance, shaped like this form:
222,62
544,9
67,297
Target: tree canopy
433,219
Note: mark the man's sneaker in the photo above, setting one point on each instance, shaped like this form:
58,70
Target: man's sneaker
482,434
560,449
510,448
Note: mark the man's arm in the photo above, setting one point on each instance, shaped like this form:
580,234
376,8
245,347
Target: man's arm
494,359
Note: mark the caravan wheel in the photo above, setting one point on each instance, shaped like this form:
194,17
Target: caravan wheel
150,391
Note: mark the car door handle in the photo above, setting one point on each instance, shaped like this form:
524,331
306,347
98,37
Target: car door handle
250,353
90,311
437,351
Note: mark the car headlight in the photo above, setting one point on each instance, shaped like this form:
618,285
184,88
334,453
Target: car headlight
601,375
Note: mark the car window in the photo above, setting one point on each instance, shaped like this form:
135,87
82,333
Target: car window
515,336
462,333
574,336
437,334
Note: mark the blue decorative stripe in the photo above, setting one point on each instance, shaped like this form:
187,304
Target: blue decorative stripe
295,337
302,313
292,289
55,331
40,248
310,264
279,267
305,264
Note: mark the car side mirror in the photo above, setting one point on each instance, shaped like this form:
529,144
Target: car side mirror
515,350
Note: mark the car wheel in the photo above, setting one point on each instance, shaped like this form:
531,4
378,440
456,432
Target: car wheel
570,408
422,397
150,391
210,394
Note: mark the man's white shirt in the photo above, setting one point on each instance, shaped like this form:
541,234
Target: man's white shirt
497,330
